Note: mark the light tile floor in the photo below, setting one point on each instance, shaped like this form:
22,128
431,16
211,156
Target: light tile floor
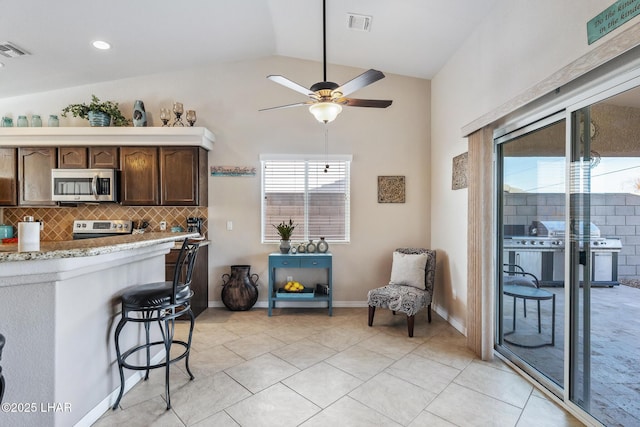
301,367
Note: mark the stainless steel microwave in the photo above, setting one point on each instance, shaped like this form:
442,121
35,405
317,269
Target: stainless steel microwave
84,185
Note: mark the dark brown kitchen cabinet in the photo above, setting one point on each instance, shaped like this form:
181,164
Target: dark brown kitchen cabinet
8,177
199,278
72,157
34,175
183,176
139,176
104,158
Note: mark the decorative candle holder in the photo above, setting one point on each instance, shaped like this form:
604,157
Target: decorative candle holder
178,110
191,117
165,116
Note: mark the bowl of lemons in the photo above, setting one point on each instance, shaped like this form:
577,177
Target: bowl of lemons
293,286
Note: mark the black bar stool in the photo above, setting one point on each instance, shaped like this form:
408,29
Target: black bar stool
160,302
2,341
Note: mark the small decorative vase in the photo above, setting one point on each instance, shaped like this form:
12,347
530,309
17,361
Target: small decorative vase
139,114
311,247
22,122
302,248
53,121
98,118
322,246
285,245
36,121
239,291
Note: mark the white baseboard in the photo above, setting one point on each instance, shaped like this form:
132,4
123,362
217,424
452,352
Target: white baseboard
456,323
106,404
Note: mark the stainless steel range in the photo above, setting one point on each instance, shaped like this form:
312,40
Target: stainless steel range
88,228
542,253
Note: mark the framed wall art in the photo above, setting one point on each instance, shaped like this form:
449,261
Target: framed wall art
459,171
391,189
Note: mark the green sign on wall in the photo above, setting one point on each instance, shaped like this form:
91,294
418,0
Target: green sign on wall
611,18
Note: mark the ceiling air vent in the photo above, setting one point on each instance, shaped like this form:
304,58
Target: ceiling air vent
10,50
358,22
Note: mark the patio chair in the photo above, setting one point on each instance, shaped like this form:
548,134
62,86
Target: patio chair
520,284
515,275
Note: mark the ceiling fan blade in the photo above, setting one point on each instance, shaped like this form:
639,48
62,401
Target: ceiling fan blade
364,79
290,84
299,104
375,103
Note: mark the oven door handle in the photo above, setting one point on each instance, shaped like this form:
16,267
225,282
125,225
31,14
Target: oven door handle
94,186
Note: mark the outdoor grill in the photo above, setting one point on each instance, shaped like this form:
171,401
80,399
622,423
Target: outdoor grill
541,252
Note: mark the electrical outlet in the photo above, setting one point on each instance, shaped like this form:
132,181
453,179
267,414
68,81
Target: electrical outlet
163,225
289,278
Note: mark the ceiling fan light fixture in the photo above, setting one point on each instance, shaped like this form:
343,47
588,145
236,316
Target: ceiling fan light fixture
325,112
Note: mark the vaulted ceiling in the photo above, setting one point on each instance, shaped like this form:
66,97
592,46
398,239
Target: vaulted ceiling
406,37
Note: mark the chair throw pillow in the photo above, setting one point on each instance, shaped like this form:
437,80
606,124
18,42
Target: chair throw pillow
408,269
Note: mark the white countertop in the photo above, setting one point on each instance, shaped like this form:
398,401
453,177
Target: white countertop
89,247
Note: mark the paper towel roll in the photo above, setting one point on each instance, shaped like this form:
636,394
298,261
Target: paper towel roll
28,236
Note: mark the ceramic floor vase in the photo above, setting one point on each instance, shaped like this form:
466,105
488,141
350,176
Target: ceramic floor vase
239,290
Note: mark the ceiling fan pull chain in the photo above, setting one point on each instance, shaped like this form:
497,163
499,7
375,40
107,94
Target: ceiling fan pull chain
326,148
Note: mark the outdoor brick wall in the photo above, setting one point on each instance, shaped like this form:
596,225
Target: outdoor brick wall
616,215
329,206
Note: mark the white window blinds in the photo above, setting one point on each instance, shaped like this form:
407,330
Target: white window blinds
299,189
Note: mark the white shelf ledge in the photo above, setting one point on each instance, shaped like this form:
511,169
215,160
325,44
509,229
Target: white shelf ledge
120,136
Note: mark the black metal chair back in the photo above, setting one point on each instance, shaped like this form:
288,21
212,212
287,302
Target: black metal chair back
184,267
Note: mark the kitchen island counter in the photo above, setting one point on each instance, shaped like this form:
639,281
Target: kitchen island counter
58,311
89,247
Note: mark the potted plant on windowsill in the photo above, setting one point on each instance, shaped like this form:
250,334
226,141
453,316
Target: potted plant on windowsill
99,113
285,230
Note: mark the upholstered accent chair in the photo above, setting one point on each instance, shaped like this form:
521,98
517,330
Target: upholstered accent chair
411,286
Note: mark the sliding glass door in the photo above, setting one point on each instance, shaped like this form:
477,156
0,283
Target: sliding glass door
604,259
568,253
531,206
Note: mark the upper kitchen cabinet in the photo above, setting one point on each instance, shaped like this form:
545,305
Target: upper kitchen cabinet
139,176
104,158
8,177
183,176
34,175
72,158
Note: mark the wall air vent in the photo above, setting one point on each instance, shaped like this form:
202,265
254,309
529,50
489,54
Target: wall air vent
10,50
358,22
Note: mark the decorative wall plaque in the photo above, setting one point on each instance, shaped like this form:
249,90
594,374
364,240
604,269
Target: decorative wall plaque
459,171
391,189
233,171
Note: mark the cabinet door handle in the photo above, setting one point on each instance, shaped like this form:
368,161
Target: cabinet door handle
285,262
314,262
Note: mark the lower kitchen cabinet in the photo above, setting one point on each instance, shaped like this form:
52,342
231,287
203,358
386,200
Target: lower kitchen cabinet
199,279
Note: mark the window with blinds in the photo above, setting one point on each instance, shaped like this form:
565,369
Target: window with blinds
314,197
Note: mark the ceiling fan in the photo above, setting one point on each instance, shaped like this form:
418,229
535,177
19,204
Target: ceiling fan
327,98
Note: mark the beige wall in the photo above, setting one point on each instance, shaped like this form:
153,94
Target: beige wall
515,48
394,141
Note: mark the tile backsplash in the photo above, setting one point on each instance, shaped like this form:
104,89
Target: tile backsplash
58,221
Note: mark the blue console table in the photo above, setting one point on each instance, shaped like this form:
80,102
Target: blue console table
277,260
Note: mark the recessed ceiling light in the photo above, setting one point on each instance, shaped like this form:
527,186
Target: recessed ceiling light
102,45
